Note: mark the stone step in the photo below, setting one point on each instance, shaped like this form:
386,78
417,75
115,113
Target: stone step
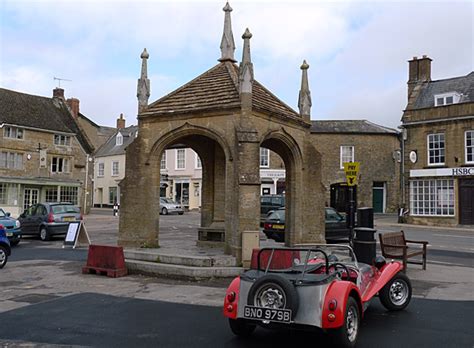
180,271
157,256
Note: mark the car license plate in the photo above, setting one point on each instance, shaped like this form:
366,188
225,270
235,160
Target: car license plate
9,234
270,314
278,227
69,218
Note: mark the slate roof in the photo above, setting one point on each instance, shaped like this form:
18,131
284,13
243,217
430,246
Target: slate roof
463,85
39,112
217,89
350,126
110,149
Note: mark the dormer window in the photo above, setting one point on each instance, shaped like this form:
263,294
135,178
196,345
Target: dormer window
447,98
119,139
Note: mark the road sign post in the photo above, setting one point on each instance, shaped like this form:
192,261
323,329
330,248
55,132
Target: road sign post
351,169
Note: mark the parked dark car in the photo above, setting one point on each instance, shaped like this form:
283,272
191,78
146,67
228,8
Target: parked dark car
12,227
269,203
48,219
5,249
335,226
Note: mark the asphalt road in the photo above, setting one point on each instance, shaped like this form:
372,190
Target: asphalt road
106,321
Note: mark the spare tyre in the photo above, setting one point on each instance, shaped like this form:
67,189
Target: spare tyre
274,291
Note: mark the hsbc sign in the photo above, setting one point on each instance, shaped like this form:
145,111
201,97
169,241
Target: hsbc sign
461,171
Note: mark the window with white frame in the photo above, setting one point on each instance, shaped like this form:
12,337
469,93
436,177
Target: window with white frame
9,194
346,155
469,146
68,194
436,149
115,168
447,98
60,139
59,165
11,160
264,157
112,195
119,139
198,161
100,169
163,160
432,197
51,194
180,158
13,132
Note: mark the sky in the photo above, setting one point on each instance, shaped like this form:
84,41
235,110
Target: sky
357,50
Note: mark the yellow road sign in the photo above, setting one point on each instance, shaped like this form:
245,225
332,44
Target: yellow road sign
351,169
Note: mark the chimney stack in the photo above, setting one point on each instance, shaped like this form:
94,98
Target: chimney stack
73,104
120,122
58,93
419,71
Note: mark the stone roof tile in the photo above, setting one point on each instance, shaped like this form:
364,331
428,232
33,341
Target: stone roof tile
349,126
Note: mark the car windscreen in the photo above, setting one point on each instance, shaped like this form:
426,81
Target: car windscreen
167,200
65,209
2,214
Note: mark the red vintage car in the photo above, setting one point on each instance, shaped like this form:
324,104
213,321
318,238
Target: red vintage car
313,287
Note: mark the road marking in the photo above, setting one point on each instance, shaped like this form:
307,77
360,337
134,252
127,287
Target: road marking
447,263
452,235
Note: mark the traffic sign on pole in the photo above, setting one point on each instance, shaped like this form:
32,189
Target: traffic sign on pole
351,169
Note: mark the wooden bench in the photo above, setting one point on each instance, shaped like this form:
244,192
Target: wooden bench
394,245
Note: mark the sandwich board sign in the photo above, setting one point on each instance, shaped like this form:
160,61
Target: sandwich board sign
351,169
76,235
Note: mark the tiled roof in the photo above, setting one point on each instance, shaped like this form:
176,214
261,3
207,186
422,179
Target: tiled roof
217,89
463,85
350,126
111,149
39,112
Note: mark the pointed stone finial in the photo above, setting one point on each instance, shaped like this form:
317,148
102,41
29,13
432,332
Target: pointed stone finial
227,42
246,66
143,85
304,100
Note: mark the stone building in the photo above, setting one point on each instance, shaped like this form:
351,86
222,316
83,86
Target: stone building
377,148
438,146
44,153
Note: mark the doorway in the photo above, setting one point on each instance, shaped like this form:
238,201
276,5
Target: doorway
340,197
378,197
30,197
466,201
182,193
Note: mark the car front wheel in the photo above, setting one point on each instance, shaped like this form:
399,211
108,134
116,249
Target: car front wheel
396,294
241,327
3,256
44,234
164,211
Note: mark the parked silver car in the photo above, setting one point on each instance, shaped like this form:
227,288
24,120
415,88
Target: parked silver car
168,206
48,219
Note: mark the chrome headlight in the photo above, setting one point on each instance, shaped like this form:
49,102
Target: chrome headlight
17,224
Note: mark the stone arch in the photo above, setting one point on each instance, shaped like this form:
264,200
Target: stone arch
185,130
282,143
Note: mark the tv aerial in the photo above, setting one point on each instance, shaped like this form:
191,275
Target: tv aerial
59,80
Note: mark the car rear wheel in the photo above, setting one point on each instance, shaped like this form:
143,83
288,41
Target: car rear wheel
164,211
396,294
44,234
241,327
346,335
3,256
273,291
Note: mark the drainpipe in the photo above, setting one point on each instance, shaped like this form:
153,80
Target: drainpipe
85,184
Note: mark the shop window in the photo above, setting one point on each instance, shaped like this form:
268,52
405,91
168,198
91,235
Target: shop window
433,197
112,195
68,194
